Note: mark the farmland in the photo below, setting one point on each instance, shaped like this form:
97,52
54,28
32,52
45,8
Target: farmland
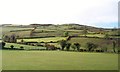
36,40
58,60
54,39
26,47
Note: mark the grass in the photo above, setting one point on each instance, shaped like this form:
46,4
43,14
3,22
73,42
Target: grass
100,42
58,60
6,31
54,39
25,46
95,35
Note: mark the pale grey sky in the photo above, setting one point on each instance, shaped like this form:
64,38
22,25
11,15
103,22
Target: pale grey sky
88,12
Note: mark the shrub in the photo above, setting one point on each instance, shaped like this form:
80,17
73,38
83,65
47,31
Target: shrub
104,48
68,38
77,46
84,50
63,44
68,46
41,42
12,46
81,50
106,36
51,41
66,34
73,47
50,47
22,40
3,44
91,46
21,47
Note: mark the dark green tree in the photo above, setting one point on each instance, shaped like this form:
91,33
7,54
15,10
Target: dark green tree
106,36
13,38
91,46
63,44
77,46
66,33
12,46
21,47
68,46
6,38
73,47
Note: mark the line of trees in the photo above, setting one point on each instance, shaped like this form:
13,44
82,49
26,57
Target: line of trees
11,39
90,46
64,44
76,46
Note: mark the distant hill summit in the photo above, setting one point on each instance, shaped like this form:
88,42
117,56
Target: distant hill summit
71,25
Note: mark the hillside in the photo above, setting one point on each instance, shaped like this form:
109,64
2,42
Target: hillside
42,30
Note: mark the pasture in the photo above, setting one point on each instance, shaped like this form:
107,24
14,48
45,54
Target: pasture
101,42
58,60
26,47
54,39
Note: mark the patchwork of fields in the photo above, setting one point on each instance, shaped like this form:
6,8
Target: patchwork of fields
28,59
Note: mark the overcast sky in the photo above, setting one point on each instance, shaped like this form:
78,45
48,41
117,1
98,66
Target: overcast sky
100,13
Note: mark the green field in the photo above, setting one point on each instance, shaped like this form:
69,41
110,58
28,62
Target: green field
58,60
29,59
54,39
26,47
101,42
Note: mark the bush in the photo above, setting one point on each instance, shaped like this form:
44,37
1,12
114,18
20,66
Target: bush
21,47
51,42
68,46
84,50
77,46
12,46
81,50
2,44
66,34
73,47
63,44
42,42
106,36
50,47
22,40
104,48
91,46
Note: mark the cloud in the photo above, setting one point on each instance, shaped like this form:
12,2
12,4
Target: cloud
58,11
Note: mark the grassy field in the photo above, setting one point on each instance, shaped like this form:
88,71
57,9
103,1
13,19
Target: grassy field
100,42
95,35
54,39
6,31
58,60
25,46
